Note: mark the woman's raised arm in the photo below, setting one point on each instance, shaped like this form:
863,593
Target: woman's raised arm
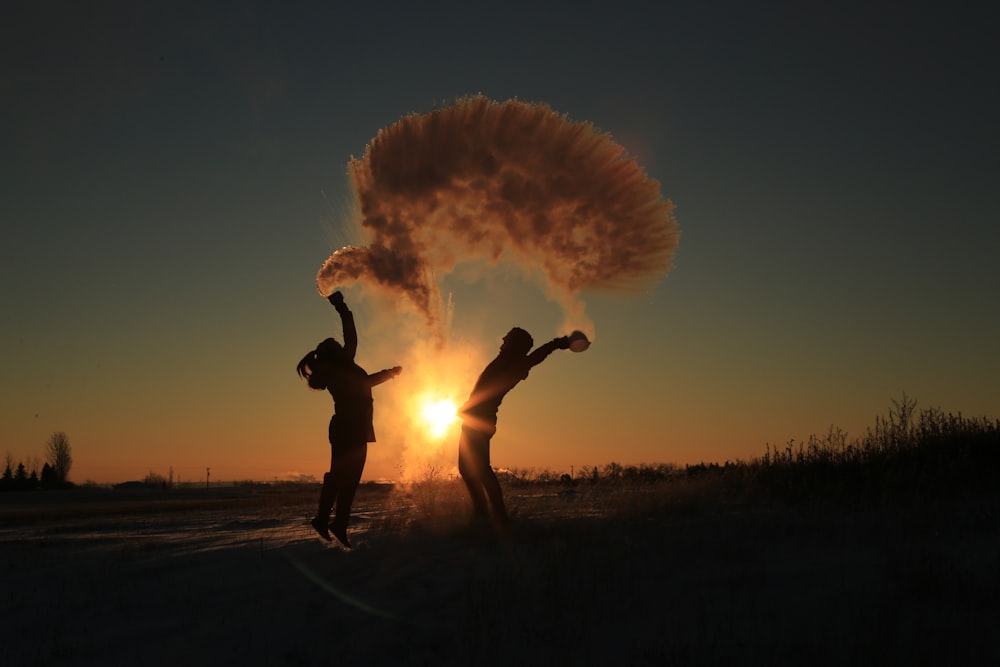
347,320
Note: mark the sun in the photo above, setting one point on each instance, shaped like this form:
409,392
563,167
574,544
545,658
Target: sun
437,415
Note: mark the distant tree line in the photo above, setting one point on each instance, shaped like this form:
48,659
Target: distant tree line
612,472
53,475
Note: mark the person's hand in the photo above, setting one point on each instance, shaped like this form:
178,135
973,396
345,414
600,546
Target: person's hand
563,342
337,299
396,370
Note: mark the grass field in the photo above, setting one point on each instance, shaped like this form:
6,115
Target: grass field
883,550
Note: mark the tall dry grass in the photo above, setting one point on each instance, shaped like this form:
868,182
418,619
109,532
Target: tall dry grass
907,456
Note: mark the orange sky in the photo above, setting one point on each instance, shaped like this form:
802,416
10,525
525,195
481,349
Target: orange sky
640,394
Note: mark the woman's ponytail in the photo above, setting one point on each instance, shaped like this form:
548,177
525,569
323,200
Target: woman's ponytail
310,369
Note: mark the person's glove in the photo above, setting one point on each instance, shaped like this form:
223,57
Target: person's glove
337,299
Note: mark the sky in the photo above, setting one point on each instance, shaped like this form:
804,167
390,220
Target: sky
174,175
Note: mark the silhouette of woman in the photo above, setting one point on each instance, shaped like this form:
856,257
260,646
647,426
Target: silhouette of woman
331,367
479,417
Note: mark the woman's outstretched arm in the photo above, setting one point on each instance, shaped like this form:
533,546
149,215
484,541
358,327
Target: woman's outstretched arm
382,376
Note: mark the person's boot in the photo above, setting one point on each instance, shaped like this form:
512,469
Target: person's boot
339,530
326,495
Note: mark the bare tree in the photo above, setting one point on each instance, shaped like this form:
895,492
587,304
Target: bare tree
7,480
57,452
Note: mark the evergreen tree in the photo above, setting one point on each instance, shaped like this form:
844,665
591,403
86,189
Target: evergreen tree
49,480
21,478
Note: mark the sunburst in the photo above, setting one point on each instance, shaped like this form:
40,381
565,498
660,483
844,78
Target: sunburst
437,414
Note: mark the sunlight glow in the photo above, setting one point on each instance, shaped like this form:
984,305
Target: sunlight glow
420,409
438,415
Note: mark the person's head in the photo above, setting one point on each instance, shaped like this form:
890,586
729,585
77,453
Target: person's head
314,367
517,341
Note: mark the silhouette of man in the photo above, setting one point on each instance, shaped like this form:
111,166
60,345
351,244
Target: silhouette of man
479,418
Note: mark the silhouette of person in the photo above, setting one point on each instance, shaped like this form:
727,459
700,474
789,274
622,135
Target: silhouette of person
479,417
331,367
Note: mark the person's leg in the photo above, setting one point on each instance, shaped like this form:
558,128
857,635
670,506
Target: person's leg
327,494
351,466
470,468
492,486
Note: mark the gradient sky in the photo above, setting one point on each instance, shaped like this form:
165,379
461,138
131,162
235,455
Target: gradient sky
174,174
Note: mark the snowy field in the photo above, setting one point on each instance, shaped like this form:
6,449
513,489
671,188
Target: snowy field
585,576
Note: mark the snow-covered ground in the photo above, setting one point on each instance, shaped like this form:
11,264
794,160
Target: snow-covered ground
237,578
